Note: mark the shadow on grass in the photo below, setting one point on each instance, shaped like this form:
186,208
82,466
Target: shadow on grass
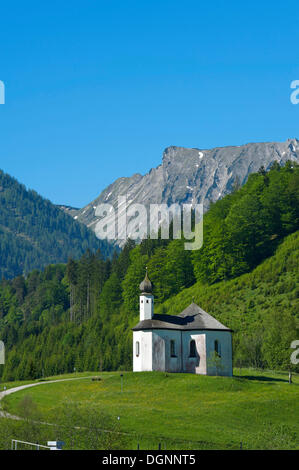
261,378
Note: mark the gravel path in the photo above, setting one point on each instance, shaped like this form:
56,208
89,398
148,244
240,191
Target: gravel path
3,394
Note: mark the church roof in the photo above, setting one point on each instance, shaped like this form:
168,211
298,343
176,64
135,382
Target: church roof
192,318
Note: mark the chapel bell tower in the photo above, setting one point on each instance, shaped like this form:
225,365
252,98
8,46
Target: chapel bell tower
146,300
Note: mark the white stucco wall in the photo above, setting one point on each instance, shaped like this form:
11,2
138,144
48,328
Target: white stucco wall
143,362
146,306
195,365
161,350
225,341
155,351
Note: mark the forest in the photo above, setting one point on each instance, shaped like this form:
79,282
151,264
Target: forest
34,232
78,316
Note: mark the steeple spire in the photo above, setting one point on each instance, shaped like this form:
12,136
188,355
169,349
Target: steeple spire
146,286
146,303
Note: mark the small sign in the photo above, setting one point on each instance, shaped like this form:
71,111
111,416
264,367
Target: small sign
56,445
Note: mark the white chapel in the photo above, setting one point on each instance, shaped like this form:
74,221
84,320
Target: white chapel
192,341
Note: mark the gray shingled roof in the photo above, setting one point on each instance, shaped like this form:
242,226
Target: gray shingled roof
192,318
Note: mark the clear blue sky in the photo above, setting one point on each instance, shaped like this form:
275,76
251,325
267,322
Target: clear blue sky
97,89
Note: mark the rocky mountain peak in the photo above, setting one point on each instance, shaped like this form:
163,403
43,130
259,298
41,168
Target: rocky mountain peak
192,175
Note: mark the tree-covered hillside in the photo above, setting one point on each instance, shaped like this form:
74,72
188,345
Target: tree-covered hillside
245,275
34,232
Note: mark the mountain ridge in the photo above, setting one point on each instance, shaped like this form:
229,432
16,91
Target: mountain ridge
192,176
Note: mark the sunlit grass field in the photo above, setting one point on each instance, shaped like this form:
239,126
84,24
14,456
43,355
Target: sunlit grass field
259,409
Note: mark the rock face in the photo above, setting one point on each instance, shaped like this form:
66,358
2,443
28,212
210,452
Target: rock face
192,176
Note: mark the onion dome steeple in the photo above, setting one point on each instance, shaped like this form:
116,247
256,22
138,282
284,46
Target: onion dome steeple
146,299
146,286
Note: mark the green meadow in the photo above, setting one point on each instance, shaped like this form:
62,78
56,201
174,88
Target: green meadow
253,410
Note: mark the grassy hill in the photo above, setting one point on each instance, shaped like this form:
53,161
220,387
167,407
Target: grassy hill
250,302
261,307
274,283
245,275
180,411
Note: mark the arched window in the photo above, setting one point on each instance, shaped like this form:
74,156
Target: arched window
192,351
172,348
217,347
137,349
